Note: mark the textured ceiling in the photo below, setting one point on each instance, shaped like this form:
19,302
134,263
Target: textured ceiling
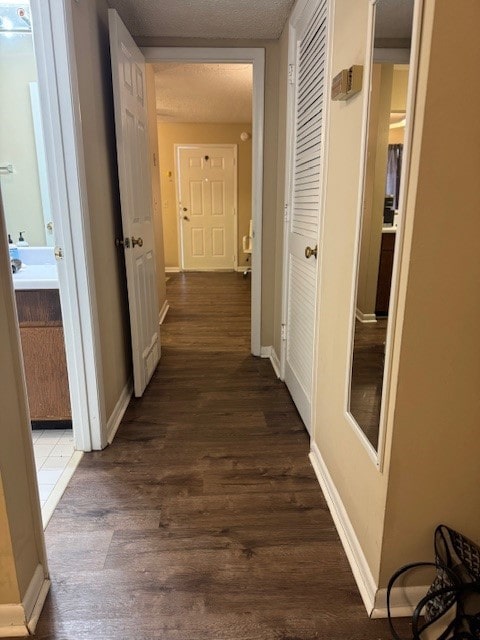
203,92
256,19
394,19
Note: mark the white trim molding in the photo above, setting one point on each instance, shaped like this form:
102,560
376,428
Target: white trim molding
163,312
403,599
255,57
172,269
20,620
365,317
361,571
119,411
269,352
61,118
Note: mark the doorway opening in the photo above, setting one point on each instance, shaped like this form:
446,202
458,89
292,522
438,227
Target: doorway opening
204,119
210,105
27,212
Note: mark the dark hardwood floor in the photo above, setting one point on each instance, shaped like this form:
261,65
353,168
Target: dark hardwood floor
203,520
367,376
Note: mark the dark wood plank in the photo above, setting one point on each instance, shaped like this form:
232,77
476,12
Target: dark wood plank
204,519
46,374
368,368
38,307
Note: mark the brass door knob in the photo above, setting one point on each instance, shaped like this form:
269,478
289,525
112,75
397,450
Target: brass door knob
137,241
309,252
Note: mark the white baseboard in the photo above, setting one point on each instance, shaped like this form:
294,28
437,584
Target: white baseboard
163,312
275,362
20,620
365,317
119,411
269,352
403,599
246,267
172,269
361,571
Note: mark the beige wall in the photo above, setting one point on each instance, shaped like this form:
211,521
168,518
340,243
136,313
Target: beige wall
21,190
270,160
399,102
156,191
21,532
431,472
400,88
9,591
90,21
360,485
434,469
281,160
396,136
178,133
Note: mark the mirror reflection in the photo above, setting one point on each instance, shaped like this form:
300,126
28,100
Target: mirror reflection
380,212
23,170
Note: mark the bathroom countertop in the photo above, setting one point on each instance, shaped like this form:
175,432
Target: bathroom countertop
36,276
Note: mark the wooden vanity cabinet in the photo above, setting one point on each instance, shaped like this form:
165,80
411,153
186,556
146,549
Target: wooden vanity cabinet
43,346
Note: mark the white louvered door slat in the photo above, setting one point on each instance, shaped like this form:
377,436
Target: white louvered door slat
304,202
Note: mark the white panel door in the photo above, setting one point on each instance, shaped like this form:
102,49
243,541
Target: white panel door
128,71
308,47
207,207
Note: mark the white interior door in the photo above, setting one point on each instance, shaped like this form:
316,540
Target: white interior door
128,71
308,50
207,207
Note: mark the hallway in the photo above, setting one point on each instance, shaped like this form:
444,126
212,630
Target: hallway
204,518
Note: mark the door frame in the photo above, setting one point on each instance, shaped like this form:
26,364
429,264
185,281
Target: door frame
177,149
301,7
61,119
255,57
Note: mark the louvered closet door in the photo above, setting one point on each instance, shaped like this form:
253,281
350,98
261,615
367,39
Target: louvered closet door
305,171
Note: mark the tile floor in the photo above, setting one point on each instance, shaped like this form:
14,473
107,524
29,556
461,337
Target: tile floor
56,461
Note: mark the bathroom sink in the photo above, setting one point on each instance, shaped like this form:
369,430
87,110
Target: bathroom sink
39,269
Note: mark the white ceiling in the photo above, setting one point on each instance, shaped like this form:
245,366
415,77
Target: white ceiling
258,19
223,93
394,19
203,92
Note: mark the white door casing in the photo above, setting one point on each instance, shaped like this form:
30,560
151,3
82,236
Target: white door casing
128,71
256,57
307,106
206,201
52,22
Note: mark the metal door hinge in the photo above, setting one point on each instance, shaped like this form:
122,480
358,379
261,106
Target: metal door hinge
284,331
58,253
291,74
286,212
